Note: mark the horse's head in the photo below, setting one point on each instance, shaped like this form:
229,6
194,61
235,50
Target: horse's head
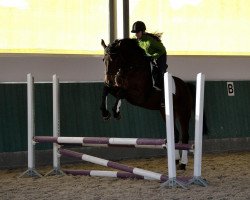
122,54
112,61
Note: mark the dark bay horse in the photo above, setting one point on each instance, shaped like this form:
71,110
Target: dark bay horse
128,76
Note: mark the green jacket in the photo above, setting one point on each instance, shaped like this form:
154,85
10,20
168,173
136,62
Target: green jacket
151,46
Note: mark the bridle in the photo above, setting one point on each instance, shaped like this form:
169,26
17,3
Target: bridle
121,63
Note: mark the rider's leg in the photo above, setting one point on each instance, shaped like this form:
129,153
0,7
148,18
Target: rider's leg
155,75
161,63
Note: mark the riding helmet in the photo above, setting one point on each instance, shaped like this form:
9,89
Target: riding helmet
138,26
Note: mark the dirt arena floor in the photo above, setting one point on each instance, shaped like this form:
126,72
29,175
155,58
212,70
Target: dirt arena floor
228,176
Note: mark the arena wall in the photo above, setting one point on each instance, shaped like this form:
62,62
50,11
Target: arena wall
227,117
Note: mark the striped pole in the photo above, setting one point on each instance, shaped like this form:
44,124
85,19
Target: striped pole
114,174
114,165
112,142
99,173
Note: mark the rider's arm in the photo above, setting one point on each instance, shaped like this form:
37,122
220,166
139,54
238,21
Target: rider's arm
152,47
156,47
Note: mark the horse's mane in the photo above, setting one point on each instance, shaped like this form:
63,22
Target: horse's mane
125,46
112,47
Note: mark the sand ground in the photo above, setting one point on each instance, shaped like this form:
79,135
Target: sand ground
227,174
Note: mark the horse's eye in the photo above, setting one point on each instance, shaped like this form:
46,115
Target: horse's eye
103,59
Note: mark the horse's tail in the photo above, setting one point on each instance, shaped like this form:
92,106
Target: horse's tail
192,89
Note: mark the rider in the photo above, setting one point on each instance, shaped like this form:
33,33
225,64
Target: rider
155,50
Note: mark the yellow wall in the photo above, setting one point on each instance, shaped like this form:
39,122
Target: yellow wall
53,26
191,27
197,27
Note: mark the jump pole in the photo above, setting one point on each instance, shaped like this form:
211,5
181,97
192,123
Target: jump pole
114,174
199,108
100,173
31,171
150,143
99,161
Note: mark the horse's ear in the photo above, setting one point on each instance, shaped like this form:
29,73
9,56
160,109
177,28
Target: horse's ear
119,43
103,44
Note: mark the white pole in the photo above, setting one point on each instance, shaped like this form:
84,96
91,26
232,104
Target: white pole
170,125
198,124
56,126
168,88
31,128
31,121
199,107
56,121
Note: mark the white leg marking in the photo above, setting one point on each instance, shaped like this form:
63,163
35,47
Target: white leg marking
118,106
184,157
106,103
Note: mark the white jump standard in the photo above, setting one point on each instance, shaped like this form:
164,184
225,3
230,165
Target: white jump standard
168,90
31,171
199,107
56,126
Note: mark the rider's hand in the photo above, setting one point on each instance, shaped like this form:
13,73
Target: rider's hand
149,58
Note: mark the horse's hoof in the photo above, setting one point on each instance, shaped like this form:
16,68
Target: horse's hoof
117,115
107,116
181,167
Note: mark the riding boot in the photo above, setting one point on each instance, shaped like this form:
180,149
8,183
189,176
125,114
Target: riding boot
158,84
156,79
162,99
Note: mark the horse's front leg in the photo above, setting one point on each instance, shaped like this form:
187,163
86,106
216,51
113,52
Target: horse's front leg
181,161
176,140
116,109
105,113
120,94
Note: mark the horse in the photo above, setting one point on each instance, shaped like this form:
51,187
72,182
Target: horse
128,76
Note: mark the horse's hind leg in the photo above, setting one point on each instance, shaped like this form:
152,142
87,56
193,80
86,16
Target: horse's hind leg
176,135
184,122
176,139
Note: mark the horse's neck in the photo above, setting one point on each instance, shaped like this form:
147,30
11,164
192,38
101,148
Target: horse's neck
135,61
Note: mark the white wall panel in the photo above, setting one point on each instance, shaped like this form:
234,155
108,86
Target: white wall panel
13,68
